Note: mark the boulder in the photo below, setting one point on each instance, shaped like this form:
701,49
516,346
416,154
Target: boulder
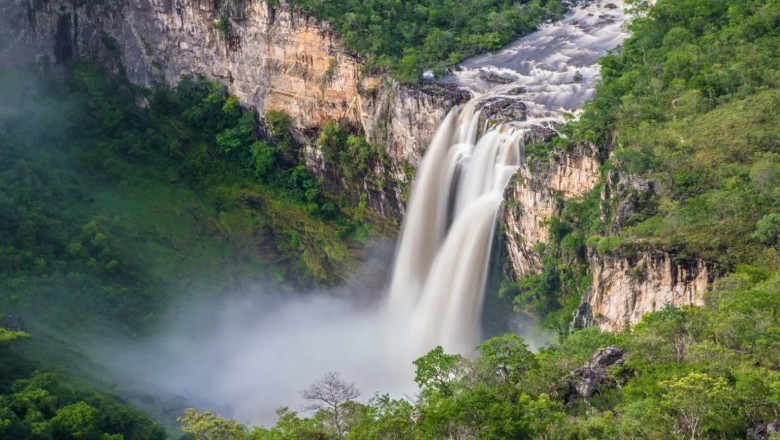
501,110
594,375
496,78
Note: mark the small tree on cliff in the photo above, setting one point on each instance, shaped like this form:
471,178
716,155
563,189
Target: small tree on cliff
332,396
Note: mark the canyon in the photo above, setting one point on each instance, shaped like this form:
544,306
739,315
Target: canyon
273,57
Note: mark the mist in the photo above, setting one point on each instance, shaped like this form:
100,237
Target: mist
249,355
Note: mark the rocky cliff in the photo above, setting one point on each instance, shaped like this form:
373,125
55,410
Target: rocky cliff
535,195
270,57
624,288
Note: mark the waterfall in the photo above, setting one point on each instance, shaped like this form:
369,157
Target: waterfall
442,260
441,263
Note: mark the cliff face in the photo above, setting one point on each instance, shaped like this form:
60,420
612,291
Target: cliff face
534,196
405,118
623,288
270,57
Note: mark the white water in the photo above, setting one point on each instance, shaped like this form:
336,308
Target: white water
257,355
545,62
441,264
442,260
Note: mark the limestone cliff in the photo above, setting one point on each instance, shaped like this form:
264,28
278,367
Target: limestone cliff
270,57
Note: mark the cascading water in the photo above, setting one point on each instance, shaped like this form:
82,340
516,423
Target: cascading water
441,262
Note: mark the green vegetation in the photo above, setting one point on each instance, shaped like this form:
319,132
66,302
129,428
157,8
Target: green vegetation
116,201
37,406
409,36
690,106
113,194
555,292
356,162
223,26
694,98
704,373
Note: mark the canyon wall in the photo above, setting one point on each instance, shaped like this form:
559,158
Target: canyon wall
270,57
535,195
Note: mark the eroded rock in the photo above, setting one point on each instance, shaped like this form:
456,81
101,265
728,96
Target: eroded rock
502,110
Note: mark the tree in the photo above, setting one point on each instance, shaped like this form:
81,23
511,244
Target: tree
697,400
506,357
768,231
437,370
331,396
263,159
79,421
209,426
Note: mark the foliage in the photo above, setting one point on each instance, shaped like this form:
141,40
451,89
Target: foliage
36,405
556,290
691,102
362,168
208,426
223,27
98,176
409,36
696,372
116,199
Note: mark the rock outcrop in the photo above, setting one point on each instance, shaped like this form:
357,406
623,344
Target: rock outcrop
595,374
764,431
405,118
625,288
535,196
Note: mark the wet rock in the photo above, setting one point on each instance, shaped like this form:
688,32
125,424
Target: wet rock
594,375
500,110
496,78
539,134
12,322
450,93
611,6
583,317
514,91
